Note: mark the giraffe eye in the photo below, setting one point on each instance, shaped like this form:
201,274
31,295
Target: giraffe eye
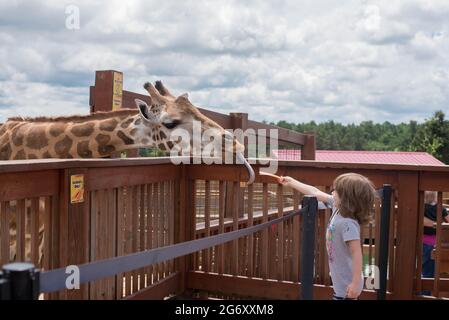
172,124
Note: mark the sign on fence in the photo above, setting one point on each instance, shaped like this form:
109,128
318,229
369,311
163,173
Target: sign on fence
77,188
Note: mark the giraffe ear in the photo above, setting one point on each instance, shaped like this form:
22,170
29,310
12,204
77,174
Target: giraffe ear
183,97
146,111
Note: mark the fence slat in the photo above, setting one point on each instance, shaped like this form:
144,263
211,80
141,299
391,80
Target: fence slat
235,217
161,226
419,245
35,210
391,250
206,252
120,239
436,284
250,271
280,234
264,245
296,237
221,213
21,231
150,214
128,237
142,230
4,235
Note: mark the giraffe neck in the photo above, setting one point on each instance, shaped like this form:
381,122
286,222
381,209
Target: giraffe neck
115,135
93,138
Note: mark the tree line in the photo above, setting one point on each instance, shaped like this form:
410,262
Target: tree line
431,136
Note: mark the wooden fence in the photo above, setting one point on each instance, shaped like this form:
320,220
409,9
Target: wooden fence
136,204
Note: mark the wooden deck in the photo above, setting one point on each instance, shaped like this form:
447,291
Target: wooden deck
137,204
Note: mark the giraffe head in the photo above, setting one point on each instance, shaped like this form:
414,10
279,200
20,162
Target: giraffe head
169,115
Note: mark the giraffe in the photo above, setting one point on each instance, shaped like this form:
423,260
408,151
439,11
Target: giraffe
100,134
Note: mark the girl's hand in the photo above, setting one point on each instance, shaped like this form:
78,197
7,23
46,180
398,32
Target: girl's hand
352,292
286,181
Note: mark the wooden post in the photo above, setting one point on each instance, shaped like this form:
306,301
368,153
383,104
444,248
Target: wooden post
187,225
181,218
74,229
238,121
107,95
308,246
384,241
407,230
309,148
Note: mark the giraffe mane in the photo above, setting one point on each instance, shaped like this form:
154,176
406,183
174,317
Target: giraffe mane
100,115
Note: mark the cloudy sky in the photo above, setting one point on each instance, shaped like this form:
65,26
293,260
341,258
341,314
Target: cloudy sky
347,61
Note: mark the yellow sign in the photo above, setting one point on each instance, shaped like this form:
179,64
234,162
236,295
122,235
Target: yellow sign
117,91
77,188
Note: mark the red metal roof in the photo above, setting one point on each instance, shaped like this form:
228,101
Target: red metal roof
349,156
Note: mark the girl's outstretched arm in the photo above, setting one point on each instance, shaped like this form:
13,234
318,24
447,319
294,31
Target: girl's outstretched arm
304,188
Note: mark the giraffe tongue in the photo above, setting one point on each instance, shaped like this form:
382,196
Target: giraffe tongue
241,158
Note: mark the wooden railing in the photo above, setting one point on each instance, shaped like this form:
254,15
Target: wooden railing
137,204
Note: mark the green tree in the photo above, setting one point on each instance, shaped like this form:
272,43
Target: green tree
433,137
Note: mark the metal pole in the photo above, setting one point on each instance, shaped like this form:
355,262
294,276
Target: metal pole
22,280
5,291
383,241
308,246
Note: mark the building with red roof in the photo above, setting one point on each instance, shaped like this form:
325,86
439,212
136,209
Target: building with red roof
350,156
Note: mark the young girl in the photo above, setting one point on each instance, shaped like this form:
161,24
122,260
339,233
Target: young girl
351,201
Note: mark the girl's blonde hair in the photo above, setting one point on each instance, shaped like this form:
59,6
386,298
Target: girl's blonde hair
357,195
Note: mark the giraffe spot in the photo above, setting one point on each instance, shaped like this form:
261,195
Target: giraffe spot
103,147
170,145
62,147
20,155
102,139
5,152
17,136
83,130
83,149
2,129
138,122
57,129
127,140
126,123
46,155
32,156
162,147
105,150
163,136
133,132
36,138
108,125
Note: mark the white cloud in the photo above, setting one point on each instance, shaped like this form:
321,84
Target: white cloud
277,60
31,99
